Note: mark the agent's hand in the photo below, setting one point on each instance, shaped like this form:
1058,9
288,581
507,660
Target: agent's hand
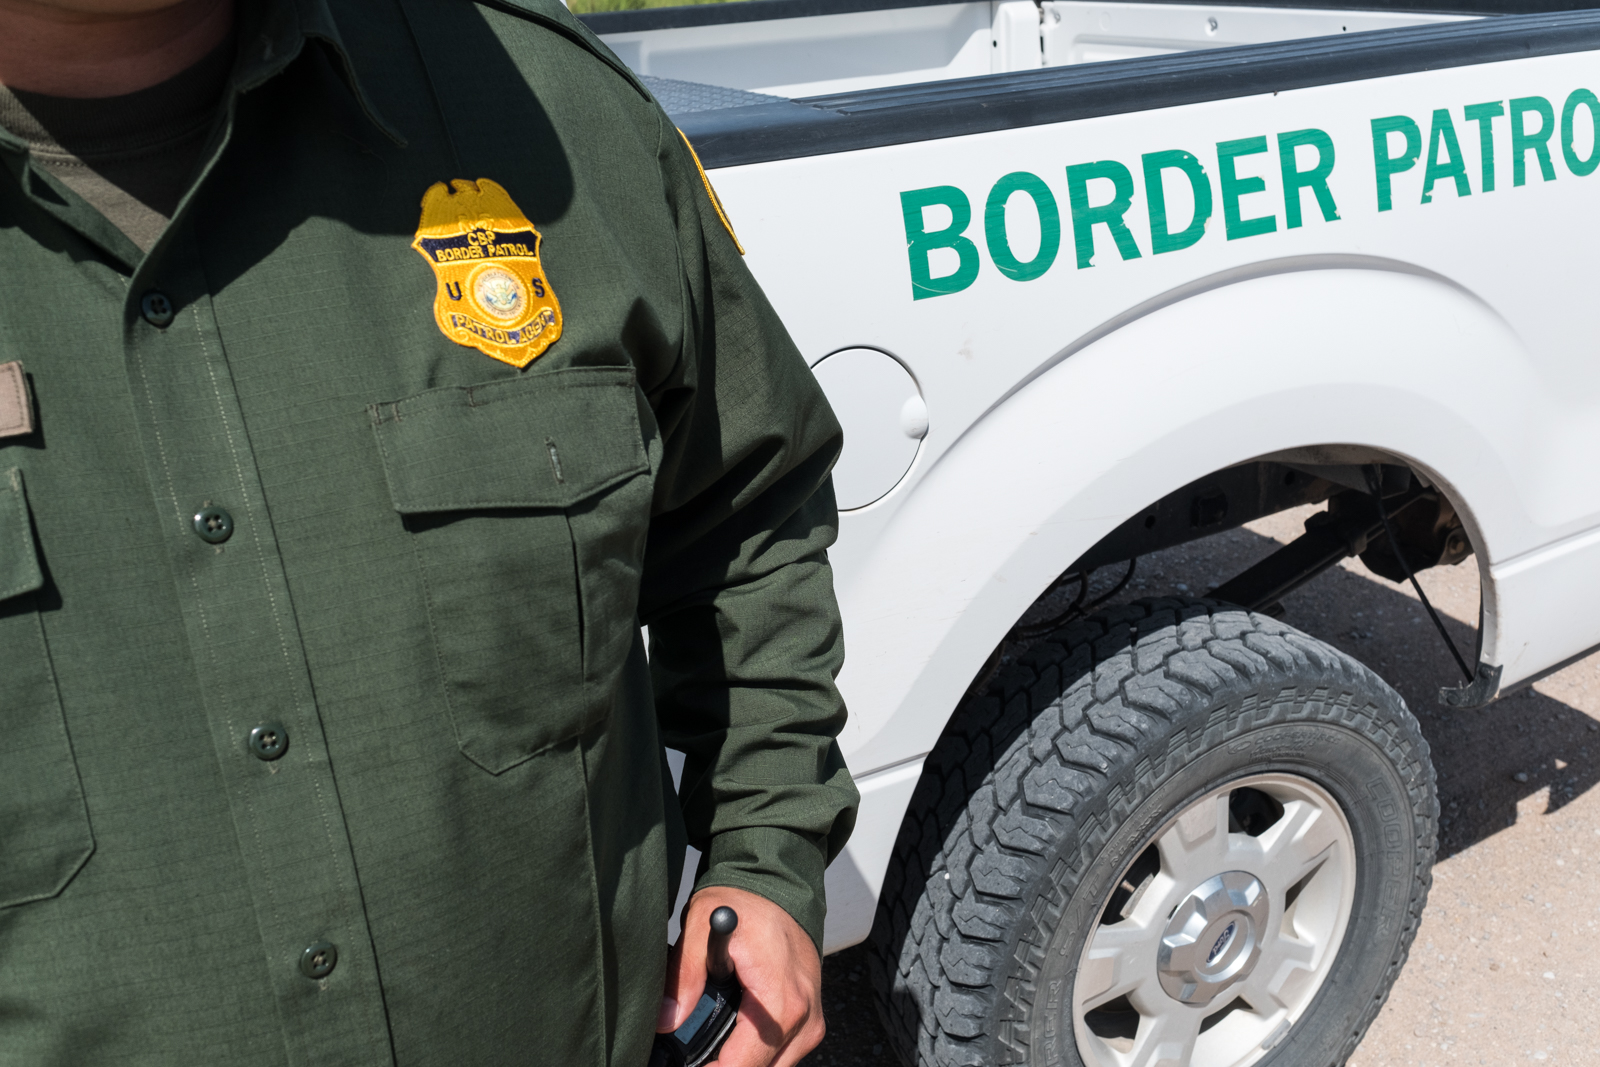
780,1016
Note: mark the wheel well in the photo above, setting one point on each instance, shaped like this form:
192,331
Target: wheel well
1426,523
1421,517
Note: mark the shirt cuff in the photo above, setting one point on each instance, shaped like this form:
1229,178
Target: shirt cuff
784,866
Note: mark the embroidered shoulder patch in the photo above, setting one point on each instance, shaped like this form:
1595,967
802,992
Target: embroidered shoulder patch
712,193
493,294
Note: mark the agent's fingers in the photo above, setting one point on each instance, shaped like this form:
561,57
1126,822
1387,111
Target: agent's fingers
768,1038
757,1039
801,1045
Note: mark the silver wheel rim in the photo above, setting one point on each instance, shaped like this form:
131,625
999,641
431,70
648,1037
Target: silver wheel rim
1210,959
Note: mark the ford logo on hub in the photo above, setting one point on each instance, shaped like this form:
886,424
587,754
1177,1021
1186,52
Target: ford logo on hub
1222,943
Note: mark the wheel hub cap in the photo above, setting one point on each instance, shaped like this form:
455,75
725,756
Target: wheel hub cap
1213,938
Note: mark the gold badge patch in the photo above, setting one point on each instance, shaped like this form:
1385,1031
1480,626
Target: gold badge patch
493,295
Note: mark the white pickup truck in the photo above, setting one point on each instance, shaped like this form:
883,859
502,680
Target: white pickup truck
1089,280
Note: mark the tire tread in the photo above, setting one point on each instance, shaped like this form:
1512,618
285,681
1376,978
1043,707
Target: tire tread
1038,756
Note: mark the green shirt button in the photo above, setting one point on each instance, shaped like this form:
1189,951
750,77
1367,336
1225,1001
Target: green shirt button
213,524
317,960
269,741
157,309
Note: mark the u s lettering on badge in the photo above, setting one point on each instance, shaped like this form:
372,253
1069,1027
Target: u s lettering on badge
493,294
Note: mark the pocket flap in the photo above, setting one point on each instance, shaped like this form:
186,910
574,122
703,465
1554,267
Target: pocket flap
19,557
543,441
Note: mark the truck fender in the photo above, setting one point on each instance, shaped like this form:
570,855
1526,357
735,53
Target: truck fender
1374,354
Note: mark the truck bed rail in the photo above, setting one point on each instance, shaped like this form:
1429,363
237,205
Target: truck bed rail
845,122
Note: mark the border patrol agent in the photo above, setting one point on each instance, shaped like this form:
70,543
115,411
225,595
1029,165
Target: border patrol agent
329,515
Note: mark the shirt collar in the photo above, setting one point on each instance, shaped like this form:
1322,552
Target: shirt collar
272,33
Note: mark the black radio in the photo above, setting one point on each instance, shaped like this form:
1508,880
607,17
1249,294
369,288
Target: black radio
700,1037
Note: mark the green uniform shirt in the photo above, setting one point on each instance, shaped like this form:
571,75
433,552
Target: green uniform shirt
433,585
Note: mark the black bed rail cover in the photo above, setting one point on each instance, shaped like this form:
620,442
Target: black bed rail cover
719,14
846,122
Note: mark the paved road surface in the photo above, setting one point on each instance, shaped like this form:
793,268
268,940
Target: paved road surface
1503,969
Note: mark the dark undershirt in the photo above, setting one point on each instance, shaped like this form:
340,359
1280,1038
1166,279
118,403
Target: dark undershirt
130,157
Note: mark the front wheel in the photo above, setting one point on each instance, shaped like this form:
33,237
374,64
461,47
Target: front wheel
1174,834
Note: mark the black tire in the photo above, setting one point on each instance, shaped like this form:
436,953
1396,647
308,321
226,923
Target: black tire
1047,785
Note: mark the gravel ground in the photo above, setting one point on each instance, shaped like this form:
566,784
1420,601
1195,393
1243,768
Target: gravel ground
1500,970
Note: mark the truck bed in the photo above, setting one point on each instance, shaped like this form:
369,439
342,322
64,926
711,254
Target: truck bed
798,48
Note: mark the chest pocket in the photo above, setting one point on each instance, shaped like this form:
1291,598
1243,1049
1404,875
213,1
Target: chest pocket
528,502
44,825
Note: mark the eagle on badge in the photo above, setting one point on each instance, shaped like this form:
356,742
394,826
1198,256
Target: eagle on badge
493,294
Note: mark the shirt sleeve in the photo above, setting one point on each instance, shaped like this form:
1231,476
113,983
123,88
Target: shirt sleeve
745,635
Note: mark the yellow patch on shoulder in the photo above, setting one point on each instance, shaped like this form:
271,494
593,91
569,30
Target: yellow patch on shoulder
493,294
712,193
